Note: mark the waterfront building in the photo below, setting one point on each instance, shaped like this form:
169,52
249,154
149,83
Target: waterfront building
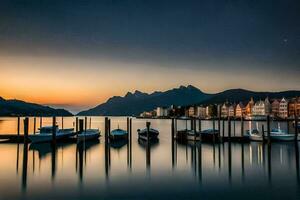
268,106
240,110
225,110
249,107
283,108
275,108
231,110
201,112
192,112
259,108
294,107
162,112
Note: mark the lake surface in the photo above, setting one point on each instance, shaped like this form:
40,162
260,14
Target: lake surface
186,171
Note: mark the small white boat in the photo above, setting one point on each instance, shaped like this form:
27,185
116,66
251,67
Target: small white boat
45,134
118,134
89,134
280,135
254,135
153,134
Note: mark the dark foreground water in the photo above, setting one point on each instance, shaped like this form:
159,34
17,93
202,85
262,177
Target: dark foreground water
182,171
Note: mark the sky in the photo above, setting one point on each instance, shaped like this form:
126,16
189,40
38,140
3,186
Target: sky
77,54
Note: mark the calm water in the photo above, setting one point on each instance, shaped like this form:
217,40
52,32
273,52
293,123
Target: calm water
192,171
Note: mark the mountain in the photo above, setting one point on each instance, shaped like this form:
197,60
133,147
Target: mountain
137,102
21,108
241,95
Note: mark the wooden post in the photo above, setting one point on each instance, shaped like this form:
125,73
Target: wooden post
34,125
172,130
268,128
148,156
62,122
109,127
128,127
54,130
263,132
106,129
192,126
296,128
223,128
90,122
85,123
18,128
229,129
26,127
199,125
219,127
41,122
76,124
81,126
148,130
287,126
234,119
242,126
214,130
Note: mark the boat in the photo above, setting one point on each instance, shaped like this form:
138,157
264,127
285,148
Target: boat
280,135
153,134
118,134
89,134
253,135
45,134
209,135
193,135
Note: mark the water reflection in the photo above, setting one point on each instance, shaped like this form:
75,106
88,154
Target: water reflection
137,170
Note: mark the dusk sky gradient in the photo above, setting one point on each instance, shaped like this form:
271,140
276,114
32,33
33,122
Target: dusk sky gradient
76,54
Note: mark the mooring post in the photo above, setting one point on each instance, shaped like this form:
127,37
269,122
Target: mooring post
85,123
219,127
90,122
268,129
223,128
76,124
41,122
34,125
130,130
26,127
109,127
229,129
214,130
54,130
242,126
234,120
18,128
263,132
199,126
172,130
81,122
62,122
296,128
106,129
192,126
128,127
148,156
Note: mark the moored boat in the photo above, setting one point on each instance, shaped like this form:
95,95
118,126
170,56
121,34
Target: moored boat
45,134
118,134
280,135
253,135
209,135
153,134
89,134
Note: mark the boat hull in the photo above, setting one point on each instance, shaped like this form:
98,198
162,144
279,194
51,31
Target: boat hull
85,137
42,138
153,134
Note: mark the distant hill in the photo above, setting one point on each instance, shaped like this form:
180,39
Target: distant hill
21,108
241,95
137,102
